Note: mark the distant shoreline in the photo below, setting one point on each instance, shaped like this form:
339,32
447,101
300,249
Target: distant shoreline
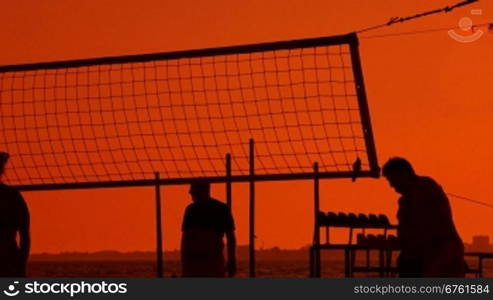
270,254
112,255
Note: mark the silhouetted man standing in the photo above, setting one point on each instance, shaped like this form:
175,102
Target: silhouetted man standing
205,223
430,244
14,218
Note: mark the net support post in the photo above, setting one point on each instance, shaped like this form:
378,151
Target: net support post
228,182
252,209
229,199
159,232
316,198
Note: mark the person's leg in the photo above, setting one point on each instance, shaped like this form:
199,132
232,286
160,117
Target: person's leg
203,267
409,267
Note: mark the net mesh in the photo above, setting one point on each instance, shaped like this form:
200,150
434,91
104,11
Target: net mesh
180,117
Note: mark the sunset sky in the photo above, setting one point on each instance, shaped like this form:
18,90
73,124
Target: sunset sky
429,97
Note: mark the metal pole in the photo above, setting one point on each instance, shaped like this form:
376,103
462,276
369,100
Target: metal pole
316,193
228,181
159,233
311,262
252,209
229,200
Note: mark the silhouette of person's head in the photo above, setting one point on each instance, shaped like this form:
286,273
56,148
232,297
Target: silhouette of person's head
4,157
400,174
200,191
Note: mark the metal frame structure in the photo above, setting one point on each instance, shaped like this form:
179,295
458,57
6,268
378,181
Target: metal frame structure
350,39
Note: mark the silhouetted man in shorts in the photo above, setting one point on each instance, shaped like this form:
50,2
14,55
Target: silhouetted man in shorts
205,223
14,219
430,244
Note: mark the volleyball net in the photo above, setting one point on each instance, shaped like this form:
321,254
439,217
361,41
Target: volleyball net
115,121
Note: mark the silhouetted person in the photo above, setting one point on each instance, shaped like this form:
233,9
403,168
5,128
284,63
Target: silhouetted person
14,219
430,244
205,223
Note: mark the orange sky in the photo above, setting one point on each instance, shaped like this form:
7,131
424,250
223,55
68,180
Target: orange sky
429,96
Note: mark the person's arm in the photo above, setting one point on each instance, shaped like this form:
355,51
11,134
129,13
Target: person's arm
231,244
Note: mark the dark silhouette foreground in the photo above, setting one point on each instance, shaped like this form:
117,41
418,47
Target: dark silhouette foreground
431,246
14,219
205,223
